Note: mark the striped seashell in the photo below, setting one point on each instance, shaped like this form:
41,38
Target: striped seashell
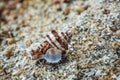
53,48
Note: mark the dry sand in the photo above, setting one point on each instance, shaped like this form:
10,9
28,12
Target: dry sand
94,50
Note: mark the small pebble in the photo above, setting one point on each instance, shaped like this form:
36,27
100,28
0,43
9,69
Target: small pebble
66,11
19,72
67,1
118,33
56,1
115,46
114,29
28,43
11,41
106,11
58,7
80,9
9,53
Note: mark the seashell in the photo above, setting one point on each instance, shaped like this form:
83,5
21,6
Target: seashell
53,48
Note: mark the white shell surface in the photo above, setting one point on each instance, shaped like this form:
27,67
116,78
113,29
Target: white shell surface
53,55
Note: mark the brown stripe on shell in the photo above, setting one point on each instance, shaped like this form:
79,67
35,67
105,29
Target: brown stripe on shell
60,41
65,39
36,54
45,47
52,41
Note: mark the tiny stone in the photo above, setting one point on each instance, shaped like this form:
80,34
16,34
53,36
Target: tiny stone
28,43
79,9
8,53
115,46
11,41
118,33
67,11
